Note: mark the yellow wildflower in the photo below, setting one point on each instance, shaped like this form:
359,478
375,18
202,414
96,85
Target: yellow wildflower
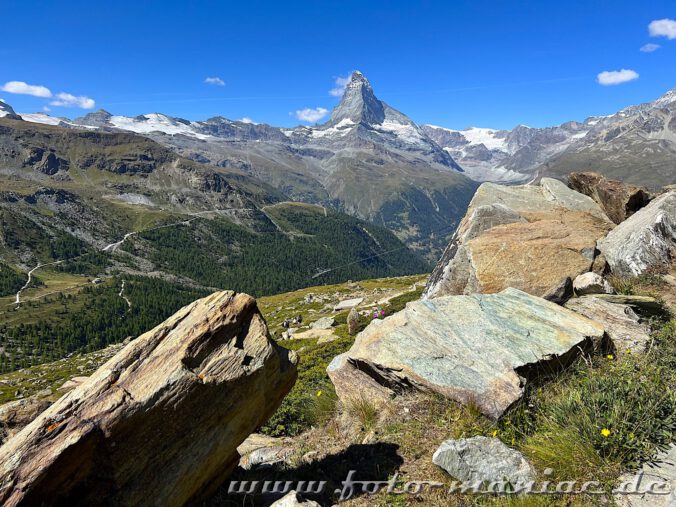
605,432
495,433
610,356
319,393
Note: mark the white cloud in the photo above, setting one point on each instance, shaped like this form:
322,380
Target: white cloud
22,88
246,119
311,115
68,100
46,109
615,77
341,83
649,48
216,81
663,28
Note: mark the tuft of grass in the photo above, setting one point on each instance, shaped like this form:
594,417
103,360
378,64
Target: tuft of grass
364,411
601,417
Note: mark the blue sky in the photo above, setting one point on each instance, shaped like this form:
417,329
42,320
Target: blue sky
453,63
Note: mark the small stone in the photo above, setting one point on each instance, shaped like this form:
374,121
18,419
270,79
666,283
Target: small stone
292,500
591,283
353,322
483,459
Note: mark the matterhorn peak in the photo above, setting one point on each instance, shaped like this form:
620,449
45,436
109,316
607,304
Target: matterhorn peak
6,109
359,104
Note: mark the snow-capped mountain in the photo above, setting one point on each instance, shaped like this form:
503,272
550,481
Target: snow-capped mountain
636,144
6,109
508,156
369,160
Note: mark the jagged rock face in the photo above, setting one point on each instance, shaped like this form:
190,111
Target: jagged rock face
617,199
6,110
533,238
645,240
162,419
482,459
477,348
359,103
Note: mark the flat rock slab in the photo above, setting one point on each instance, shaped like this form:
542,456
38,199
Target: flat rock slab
622,324
160,422
663,474
645,240
323,323
312,333
483,459
348,304
472,348
533,238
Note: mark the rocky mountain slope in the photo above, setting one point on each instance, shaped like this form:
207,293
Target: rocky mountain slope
636,145
476,386
368,160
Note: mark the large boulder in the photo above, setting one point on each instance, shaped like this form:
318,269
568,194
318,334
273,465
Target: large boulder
533,238
479,348
619,200
644,241
160,422
624,327
483,459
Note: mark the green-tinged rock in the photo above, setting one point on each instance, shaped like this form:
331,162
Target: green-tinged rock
476,348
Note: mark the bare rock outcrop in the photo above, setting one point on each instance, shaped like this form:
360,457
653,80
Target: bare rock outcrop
478,349
160,421
619,200
646,240
532,238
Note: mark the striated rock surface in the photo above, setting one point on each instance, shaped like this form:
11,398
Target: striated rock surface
622,324
15,415
529,237
160,420
645,240
619,200
483,459
478,348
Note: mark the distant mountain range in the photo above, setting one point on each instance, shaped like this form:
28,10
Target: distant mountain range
373,162
369,160
637,145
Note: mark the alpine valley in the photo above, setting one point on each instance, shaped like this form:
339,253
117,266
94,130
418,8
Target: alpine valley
166,209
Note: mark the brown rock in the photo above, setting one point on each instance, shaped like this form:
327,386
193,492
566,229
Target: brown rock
160,421
533,238
619,200
15,415
535,256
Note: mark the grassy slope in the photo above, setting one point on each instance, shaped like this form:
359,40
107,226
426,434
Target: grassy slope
558,424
